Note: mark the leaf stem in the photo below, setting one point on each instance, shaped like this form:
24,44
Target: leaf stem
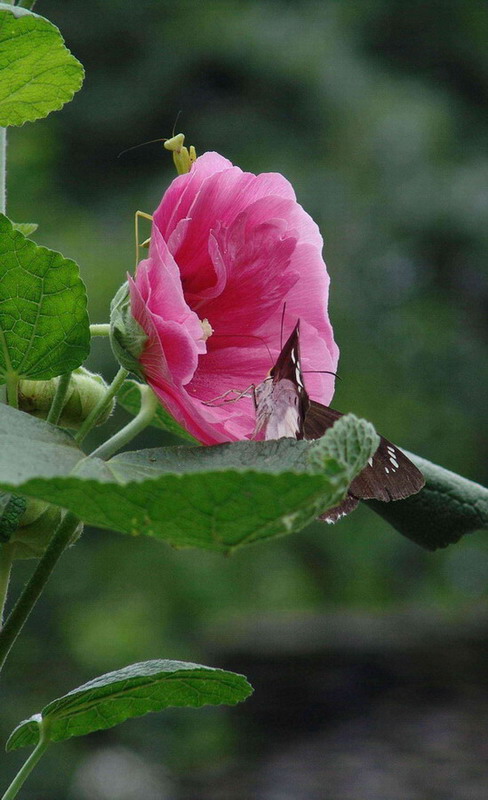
6,557
100,407
31,762
3,170
30,595
27,3
100,329
149,404
59,398
12,381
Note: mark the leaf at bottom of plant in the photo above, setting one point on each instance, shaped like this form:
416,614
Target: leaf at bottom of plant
131,692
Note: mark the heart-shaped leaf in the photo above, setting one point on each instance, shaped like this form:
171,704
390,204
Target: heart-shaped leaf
37,73
131,692
44,327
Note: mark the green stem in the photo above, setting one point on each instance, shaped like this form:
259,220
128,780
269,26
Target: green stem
6,557
28,598
149,404
26,3
101,329
100,407
12,381
59,399
3,170
31,762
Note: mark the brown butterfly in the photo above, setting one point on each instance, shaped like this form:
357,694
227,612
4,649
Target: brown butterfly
283,408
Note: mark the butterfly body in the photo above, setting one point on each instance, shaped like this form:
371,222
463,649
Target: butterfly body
283,408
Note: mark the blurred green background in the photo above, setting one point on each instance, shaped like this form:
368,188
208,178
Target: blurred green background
376,112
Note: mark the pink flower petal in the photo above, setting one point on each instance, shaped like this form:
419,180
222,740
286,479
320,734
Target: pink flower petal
233,260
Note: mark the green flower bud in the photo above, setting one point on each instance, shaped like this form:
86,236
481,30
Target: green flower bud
84,391
126,335
36,529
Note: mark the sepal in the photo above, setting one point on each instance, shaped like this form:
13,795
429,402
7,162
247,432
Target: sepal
36,529
126,335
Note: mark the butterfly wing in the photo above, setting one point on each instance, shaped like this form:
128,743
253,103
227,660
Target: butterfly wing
283,408
390,475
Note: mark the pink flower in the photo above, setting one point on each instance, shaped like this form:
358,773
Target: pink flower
228,250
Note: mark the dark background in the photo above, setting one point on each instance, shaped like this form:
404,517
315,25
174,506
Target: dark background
366,652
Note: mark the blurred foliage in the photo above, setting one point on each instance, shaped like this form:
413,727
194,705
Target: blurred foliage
374,111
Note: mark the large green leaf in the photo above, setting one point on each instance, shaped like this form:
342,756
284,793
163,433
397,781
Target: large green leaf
129,398
44,328
215,498
37,73
131,692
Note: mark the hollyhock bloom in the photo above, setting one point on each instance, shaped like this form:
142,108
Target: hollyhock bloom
229,251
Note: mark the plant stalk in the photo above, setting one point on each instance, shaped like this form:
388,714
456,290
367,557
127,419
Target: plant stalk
3,170
12,382
100,329
6,558
26,3
149,404
31,762
27,600
100,407
59,397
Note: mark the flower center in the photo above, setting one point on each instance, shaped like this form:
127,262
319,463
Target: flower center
206,328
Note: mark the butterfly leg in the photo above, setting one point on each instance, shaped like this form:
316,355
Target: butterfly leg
225,396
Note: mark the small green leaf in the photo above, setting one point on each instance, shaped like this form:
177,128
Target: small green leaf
44,328
448,507
37,72
12,507
129,398
350,441
26,228
132,692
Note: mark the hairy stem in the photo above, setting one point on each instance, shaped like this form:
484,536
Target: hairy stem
100,407
3,170
27,600
59,398
31,762
12,381
149,404
100,329
6,557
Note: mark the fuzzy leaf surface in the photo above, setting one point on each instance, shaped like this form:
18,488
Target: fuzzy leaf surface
132,692
44,327
38,74
215,498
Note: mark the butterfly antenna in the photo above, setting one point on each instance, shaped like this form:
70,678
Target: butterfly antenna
320,372
143,144
282,324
